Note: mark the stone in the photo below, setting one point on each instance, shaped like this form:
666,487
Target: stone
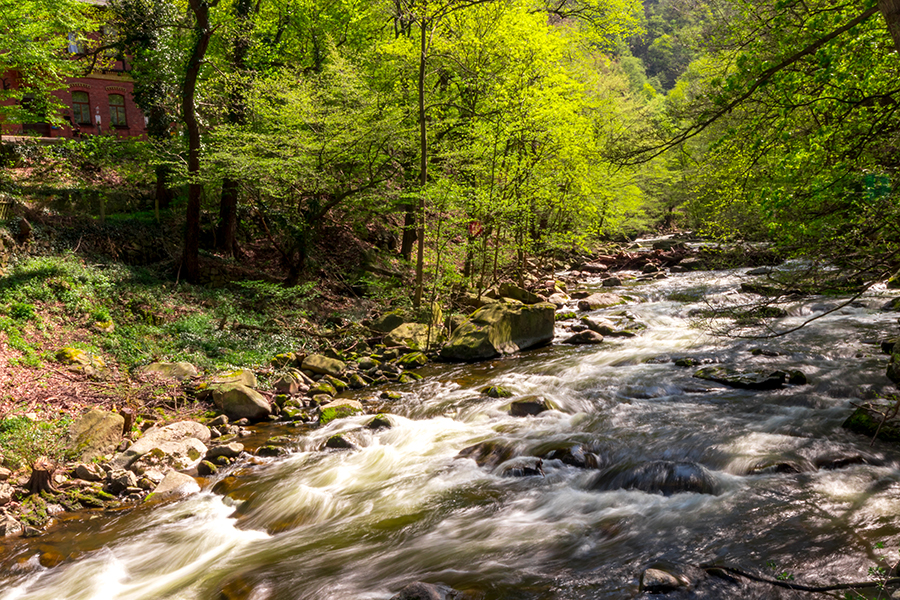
559,299
598,301
368,363
290,383
751,380
7,492
89,472
323,365
5,473
175,484
95,434
797,377
488,454
528,406
575,455
338,410
599,325
893,369
80,360
388,322
285,359
508,290
501,329
340,442
238,401
388,395
322,387
356,381
657,581
612,282
525,466
659,477
412,360
177,370
179,455
206,468
584,337
118,480
220,420
9,526
230,450
496,391
866,421
155,436
379,422
425,591
594,268
415,336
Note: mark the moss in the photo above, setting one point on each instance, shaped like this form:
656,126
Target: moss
495,391
865,421
33,511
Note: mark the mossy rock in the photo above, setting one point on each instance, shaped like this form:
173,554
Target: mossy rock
409,377
356,381
79,360
339,384
292,413
566,316
324,365
322,387
412,360
270,451
177,370
380,421
865,422
339,409
386,395
283,360
412,335
496,391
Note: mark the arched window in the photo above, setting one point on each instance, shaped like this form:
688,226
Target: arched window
117,110
81,108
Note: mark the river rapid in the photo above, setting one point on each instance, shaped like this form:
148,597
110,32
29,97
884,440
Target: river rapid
795,495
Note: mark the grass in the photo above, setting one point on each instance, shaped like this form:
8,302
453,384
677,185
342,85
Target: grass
23,441
45,300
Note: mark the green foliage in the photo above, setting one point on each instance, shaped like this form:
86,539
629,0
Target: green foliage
24,441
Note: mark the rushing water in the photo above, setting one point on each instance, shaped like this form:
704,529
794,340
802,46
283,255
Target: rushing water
793,492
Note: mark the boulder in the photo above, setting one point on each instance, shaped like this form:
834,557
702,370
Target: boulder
79,360
6,493
241,402
89,472
9,526
290,383
338,410
323,365
496,391
751,380
412,360
230,450
612,282
488,454
501,329
659,477
238,376
893,369
425,591
412,335
388,322
180,455
475,301
119,480
575,455
5,473
508,290
528,406
598,301
95,433
285,359
559,299
177,370
599,325
155,436
175,484
866,422
525,466
584,337
664,577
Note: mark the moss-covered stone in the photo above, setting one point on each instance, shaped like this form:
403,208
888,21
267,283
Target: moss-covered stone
413,335
496,391
409,377
339,409
322,387
501,329
318,363
866,422
412,360
339,384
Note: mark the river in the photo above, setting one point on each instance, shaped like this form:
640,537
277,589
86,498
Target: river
794,496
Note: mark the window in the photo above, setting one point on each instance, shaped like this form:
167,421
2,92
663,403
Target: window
76,45
117,110
81,108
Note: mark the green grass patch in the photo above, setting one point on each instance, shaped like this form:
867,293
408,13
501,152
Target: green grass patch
23,441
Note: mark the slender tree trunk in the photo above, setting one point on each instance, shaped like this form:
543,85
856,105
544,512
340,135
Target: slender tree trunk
890,9
409,231
423,160
226,238
191,257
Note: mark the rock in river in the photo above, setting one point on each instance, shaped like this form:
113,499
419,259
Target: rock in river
751,380
659,477
500,329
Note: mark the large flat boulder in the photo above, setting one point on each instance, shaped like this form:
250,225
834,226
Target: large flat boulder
748,380
324,365
241,402
597,301
499,329
178,370
412,335
95,433
156,437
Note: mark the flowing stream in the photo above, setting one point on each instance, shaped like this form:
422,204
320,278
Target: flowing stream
793,494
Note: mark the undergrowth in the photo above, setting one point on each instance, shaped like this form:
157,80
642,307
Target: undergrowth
23,441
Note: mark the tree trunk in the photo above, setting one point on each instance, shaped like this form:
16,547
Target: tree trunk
191,257
423,161
226,239
42,476
890,9
409,231
163,193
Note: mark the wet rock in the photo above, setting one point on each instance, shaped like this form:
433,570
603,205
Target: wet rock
501,329
425,591
488,454
95,433
356,381
368,363
323,386
270,451
598,325
867,421
496,391
612,282
526,466
837,460
659,477
206,468
238,401
324,365
760,271
598,301
797,377
386,395
218,421
584,338
175,484
892,305
508,290
340,442
412,360
339,409
752,380
575,455
528,406
230,450
663,577
178,370
9,526
379,422
593,268
893,369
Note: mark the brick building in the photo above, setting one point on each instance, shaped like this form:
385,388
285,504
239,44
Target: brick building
98,103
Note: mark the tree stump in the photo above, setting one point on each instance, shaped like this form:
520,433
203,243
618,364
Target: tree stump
42,476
